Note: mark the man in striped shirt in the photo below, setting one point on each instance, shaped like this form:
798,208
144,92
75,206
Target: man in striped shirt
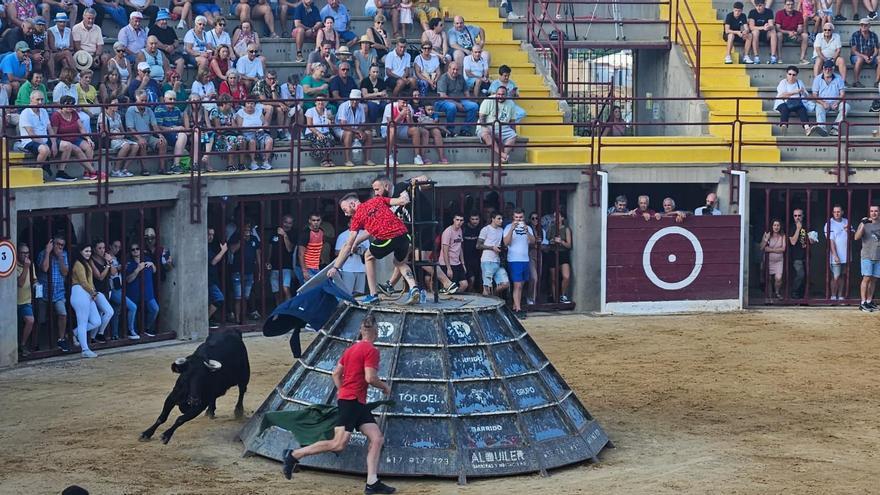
311,242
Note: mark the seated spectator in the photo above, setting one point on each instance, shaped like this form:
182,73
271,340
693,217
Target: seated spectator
173,124
195,43
791,95
34,121
13,36
498,129
436,37
37,42
120,64
111,87
250,68
397,124
233,87
60,45
425,12
643,210
373,90
827,48
711,207
378,36
52,7
319,120
828,90
140,118
615,125
224,139
314,86
452,85
145,7
257,11
763,28
168,43
306,24
86,94
87,36
112,8
142,81
268,91
398,70
217,35
364,58
462,39
512,90
427,70
790,28
619,209
35,83
351,117
72,139
429,120
476,72
341,20
243,36
252,119
133,36
139,277
209,10
120,144
670,211
221,63
342,84
180,9
328,34
863,47
174,83
19,12
15,67
203,88
155,59
325,57
293,90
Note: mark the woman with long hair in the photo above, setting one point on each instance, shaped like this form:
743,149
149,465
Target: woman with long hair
111,87
615,125
221,63
102,271
534,251
559,238
436,36
773,243
84,299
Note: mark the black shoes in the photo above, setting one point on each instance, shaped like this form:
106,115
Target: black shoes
291,465
379,487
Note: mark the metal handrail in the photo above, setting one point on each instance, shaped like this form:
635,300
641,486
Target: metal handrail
693,45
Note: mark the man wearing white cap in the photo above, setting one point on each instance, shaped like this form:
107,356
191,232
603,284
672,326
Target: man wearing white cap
133,36
88,36
863,51
351,117
143,81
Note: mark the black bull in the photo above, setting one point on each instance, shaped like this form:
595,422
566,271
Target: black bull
216,365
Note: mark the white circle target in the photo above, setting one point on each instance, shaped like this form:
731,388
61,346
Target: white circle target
649,247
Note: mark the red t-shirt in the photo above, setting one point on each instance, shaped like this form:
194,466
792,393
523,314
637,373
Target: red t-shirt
789,22
65,128
377,219
357,357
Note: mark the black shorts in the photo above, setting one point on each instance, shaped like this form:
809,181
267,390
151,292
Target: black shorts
549,260
736,39
353,414
399,246
458,273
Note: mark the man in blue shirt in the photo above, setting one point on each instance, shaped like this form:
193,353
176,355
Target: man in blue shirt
340,16
139,290
863,51
307,21
828,89
463,38
15,67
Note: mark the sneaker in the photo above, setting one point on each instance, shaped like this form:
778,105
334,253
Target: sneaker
833,131
513,17
453,288
418,160
379,487
807,130
266,166
520,314
213,325
821,131
62,344
773,59
241,167
254,166
858,84
176,170
748,60
134,336
839,17
387,289
90,175
856,16
117,173
872,15
89,354
530,301
101,339
412,297
864,307
757,59
181,25
728,60
871,305
370,299
291,465
63,176
564,299
149,333
255,315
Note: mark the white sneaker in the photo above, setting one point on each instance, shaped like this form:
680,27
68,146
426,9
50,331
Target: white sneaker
418,160
513,17
266,166
88,354
747,60
254,166
728,60
181,25
134,336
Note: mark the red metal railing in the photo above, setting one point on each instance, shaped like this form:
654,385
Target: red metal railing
689,36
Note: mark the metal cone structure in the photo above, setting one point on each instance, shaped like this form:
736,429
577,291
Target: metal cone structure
474,394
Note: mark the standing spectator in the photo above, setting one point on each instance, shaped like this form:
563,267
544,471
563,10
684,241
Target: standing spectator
462,38
711,207
53,268
103,270
250,68
245,248
168,43
497,128
863,52
828,93
216,253
837,230
476,72
268,91
364,58
307,22
559,239
799,242
763,28
139,279
133,36
452,258
398,123
427,68
374,91
826,49
252,118
153,252
174,124
452,85
352,117
620,208
490,243
398,70
311,243
60,45
535,256
774,243
88,36
341,18
404,16
376,33
90,319
141,119
72,138
518,237
790,28
436,37
353,272
281,249
644,209
318,121
791,97
25,278
116,295
869,233
669,211
470,234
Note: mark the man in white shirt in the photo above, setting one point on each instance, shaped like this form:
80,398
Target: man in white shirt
353,273
398,69
711,207
837,230
35,122
88,36
476,72
250,68
351,117
518,237
490,243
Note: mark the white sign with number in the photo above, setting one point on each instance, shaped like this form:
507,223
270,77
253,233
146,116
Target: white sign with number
7,258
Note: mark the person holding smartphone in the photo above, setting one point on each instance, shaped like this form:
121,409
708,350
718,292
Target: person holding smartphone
869,233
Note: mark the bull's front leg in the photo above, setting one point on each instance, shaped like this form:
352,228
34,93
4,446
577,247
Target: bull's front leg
239,406
170,402
212,407
183,418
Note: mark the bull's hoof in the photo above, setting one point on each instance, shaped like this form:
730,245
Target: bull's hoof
210,414
239,413
166,439
145,437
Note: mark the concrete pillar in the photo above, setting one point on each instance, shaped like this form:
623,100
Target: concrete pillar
184,296
9,307
586,223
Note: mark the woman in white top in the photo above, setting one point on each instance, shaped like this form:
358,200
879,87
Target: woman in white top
204,88
218,36
827,47
120,63
790,98
59,45
66,86
318,121
195,43
252,118
427,67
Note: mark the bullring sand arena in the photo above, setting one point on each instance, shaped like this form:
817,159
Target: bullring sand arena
771,401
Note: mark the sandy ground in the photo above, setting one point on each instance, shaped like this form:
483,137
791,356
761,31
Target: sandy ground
759,402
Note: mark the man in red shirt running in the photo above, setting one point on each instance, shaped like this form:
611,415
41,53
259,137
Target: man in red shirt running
389,236
358,367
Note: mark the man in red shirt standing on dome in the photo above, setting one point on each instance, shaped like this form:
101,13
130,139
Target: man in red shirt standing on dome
389,236
357,369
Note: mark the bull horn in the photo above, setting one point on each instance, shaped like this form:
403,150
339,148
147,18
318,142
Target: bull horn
180,361
213,365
